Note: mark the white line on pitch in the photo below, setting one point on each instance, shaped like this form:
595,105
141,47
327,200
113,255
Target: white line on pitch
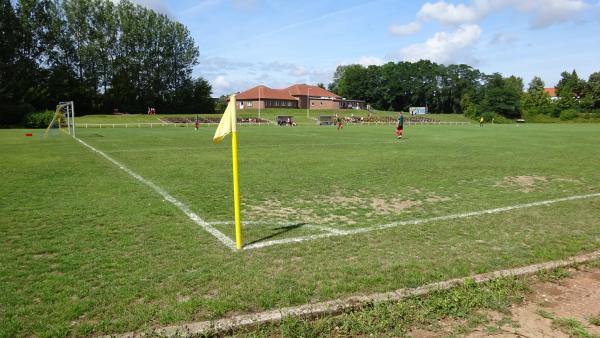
416,222
159,149
327,229
284,224
186,210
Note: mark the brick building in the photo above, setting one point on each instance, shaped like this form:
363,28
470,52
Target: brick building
295,96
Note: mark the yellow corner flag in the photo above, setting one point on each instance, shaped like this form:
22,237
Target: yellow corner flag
226,126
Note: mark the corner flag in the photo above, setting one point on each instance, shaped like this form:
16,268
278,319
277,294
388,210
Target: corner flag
227,126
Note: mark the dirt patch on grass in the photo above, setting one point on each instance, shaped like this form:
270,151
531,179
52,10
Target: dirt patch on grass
338,207
45,255
436,199
273,209
391,206
551,310
522,183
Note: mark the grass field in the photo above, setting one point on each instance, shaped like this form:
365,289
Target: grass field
88,249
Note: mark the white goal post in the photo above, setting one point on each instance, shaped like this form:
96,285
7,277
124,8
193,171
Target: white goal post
65,111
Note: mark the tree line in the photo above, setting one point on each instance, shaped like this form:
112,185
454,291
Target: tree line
100,54
460,88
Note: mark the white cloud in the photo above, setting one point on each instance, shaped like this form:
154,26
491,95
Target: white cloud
443,47
449,13
290,68
408,29
542,13
370,60
548,12
221,84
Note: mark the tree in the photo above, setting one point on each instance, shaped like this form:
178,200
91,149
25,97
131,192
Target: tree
397,86
536,100
592,91
569,90
502,96
98,53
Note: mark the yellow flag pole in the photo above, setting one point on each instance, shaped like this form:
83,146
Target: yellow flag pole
236,186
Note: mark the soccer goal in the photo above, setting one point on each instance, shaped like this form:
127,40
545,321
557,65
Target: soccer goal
325,120
64,116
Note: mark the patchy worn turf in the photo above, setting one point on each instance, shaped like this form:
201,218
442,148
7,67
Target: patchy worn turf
88,250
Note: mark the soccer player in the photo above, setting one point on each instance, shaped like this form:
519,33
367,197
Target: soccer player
197,122
400,126
481,122
340,123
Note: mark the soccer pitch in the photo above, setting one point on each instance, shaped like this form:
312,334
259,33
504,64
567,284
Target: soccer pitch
132,228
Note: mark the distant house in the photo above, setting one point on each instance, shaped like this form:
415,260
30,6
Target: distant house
552,93
295,96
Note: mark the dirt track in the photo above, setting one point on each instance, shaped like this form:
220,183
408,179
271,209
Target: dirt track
576,297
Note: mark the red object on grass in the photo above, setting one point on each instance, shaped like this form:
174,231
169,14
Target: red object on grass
29,134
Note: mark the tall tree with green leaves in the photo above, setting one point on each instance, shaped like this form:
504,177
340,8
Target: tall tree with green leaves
536,100
569,90
502,96
592,91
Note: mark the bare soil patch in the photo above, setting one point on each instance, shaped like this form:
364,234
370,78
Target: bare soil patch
358,207
395,205
576,297
521,183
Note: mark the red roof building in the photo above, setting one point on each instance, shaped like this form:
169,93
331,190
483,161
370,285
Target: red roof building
295,96
551,92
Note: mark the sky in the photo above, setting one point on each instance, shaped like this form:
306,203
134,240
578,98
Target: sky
277,43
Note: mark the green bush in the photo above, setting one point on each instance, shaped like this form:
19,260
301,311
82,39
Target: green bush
499,119
568,114
39,119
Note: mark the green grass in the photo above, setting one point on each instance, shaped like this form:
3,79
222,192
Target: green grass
571,327
128,118
394,319
553,275
89,250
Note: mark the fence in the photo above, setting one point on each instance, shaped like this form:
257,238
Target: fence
413,122
158,124
189,124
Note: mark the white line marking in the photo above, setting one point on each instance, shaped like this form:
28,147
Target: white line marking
186,210
327,229
160,149
284,224
415,222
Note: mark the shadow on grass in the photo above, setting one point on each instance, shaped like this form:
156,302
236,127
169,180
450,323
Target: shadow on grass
279,231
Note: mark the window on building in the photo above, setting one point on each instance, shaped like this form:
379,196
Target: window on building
249,103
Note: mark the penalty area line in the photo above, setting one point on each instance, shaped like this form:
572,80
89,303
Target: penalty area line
260,245
228,242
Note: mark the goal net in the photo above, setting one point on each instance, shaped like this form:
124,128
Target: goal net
63,119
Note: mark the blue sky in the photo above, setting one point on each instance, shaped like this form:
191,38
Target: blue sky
243,43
